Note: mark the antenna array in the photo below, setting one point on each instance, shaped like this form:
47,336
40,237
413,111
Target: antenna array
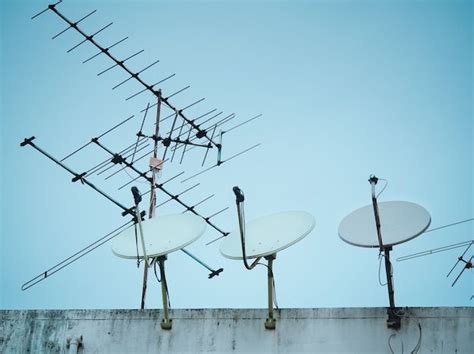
467,262
184,133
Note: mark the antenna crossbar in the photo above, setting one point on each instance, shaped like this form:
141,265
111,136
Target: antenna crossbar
121,160
77,176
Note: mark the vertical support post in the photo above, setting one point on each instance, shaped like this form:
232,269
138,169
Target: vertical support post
388,271
144,286
151,209
137,197
166,322
394,320
270,322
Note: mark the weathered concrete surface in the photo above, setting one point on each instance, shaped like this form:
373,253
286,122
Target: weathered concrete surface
345,330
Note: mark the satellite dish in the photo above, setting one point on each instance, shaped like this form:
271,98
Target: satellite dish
385,225
399,222
269,234
264,237
154,239
162,235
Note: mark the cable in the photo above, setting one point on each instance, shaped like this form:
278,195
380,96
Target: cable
166,285
273,283
448,225
390,343
241,215
418,345
76,256
385,186
156,275
160,280
136,245
274,293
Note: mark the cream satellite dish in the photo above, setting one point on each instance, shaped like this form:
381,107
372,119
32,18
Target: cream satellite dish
264,237
162,234
269,234
399,222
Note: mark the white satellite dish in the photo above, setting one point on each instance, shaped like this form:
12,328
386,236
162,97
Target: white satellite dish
162,235
399,222
264,237
153,239
385,225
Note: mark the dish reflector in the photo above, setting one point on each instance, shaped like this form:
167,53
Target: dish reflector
162,234
399,222
269,234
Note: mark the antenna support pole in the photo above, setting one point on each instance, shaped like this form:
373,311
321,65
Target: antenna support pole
270,322
138,198
151,210
394,320
144,287
166,322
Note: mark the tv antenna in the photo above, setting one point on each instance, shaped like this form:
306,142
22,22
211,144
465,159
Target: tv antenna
184,132
461,259
385,225
263,238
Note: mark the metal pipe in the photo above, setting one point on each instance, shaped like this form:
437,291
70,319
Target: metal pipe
388,271
166,323
393,320
142,237
373,181
144,286
240,213
270,323
74,344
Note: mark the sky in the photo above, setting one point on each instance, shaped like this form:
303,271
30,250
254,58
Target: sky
345,88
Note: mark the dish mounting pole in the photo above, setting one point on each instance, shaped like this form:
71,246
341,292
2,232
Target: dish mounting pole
166,322
394,320
270,322
138,198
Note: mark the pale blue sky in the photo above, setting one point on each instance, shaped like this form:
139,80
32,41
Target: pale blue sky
347,88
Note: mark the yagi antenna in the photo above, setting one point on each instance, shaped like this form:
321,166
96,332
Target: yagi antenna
384,225
467,262
220,144
467,265
136,239
465,244
151,88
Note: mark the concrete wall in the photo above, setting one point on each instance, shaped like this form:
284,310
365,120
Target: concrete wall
345,330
